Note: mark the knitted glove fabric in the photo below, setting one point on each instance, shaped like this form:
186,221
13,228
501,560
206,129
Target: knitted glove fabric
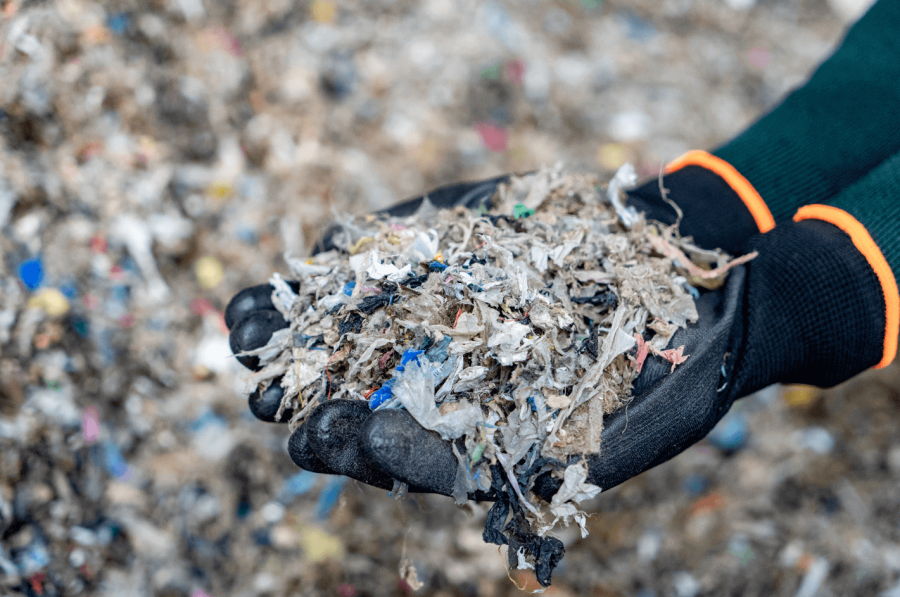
869,213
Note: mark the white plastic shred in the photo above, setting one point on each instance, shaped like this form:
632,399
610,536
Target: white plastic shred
380,271
625,177
415,390
575,489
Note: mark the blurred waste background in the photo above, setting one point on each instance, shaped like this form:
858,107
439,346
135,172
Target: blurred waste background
156,157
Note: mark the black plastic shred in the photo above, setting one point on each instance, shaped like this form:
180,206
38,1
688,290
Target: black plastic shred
351,323
370,303
546,551
591,344
601,299
415,281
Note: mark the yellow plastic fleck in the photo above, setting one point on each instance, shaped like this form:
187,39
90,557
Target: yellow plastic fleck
52,301
439,257
209,272
319,545
612,155
323,11
219,190
799,396
357,247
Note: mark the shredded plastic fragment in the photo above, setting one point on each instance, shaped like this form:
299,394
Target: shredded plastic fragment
512,330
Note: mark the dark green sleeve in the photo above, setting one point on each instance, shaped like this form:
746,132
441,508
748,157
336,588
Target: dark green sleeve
834,129
875,202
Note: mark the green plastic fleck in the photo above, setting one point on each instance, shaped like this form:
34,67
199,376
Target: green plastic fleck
479,450
520,211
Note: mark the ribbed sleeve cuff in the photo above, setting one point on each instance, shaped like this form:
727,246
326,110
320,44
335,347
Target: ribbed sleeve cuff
869,212
741,187
864,243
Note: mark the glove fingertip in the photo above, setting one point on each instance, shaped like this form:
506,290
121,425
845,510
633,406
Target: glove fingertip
394,442
333,434
264,405
252,299
252,332
302,454
248,300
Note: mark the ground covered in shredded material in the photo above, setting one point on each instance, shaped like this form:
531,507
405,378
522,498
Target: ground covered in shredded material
516,326
193,142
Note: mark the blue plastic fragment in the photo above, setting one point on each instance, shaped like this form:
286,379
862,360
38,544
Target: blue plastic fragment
120,293
497,20
348,288
636,28
691,290
730,434
31,273
443,372
119,23
247,235
408,356
114,461
382,394
439,352
530,401
68,290
243,510
329,496
33,558
103,339
299,484
426,343
251,187
157,324
694,485
437,266
207,418
130,265
435,354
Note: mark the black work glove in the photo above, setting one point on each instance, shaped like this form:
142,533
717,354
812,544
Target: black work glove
808,309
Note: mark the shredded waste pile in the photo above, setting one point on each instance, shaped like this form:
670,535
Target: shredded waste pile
516,327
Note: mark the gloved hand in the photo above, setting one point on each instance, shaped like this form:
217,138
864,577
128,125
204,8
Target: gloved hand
252,318
808,309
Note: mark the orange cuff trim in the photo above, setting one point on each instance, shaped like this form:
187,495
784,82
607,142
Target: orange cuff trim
740,185
866,245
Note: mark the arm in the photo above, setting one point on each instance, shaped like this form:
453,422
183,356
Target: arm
819,140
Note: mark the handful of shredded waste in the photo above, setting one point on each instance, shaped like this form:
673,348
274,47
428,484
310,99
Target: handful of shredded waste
516,327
